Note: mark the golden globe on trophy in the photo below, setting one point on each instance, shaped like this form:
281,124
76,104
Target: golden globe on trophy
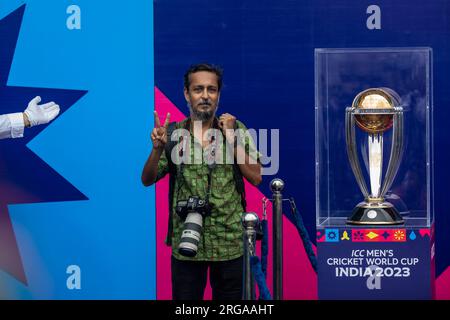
375,111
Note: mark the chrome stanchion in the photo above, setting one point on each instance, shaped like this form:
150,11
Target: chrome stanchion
250,221
276,186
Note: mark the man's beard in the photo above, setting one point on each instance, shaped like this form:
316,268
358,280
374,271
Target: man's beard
202,115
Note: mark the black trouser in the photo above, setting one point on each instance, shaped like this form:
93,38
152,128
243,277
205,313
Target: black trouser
189,279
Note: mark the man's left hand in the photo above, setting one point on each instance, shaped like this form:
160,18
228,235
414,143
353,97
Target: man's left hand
227,121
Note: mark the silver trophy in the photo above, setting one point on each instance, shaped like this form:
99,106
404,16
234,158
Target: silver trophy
375,111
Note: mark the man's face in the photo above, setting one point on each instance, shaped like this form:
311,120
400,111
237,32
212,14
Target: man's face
203,95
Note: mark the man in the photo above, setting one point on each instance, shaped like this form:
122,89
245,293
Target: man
12,125
220,246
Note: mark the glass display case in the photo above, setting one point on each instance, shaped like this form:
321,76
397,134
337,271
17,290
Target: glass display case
401,79
374,173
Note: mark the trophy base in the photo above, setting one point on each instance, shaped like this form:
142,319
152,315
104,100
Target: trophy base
367,213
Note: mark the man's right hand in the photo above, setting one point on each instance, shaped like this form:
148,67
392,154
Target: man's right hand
159,133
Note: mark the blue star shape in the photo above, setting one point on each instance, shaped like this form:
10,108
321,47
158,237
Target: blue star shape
24,177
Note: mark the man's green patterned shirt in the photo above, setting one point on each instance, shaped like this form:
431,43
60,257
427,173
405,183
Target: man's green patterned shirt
221,237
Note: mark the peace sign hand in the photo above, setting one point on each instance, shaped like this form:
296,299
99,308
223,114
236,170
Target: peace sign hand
159,133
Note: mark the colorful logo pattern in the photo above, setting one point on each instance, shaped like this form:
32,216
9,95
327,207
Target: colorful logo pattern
331,235
368,235
379,235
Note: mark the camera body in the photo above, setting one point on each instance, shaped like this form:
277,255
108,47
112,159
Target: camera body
192,212
192,204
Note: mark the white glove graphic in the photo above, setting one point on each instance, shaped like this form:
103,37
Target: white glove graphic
41,114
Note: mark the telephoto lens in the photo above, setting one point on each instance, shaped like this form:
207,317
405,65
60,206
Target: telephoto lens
190,236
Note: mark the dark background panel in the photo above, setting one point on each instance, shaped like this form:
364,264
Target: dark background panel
267,51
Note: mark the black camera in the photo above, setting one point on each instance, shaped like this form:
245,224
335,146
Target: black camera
192,212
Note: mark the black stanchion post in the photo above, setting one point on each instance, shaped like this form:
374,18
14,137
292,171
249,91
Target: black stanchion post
250,221
276,187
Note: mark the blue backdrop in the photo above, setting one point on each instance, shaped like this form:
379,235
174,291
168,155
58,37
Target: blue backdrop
267,51
98,146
